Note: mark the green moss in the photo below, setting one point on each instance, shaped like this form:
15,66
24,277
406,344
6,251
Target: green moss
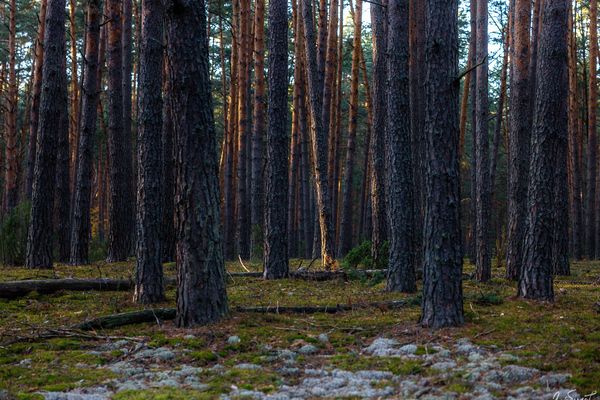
204,357
163,394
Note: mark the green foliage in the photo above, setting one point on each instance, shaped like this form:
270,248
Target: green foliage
360,256
98,249
13,235
489,299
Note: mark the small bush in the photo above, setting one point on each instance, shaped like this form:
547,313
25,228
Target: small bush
13,235
98,249
360,256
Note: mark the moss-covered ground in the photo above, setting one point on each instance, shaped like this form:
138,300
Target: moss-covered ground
563,336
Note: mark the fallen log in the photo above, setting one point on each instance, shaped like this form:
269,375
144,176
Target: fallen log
16,289
166,314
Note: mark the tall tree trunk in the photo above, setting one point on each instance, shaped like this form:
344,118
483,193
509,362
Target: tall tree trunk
149,286
242,201
576,213
74,103
11,188
318,140
482,201
347,187
39,239
417,37
201,291
401,269
130,176
549,133
442,268
80,228
518,138
258,132
34,115
168,172
62,194
378,136
120,207
276,240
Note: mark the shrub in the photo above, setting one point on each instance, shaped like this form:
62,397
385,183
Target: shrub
360,256
13,235
98,249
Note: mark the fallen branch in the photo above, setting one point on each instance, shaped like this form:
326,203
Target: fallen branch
165,314
16,289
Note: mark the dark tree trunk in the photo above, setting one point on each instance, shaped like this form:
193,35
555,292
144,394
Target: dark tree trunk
549,133
442,267
576,214
592,147
201,291
417,20
129,176
120,207
378,138
347,186
319,139
276,241
80,228
257,214
518,139
39,240
36,91
11,110
62,194
482,199
168,173
401,268
148,272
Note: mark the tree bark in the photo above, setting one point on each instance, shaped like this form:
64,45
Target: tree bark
549,133
39,240
318,139
127,66
401,272
201,292
120,207
80,224
148,271
257,214
347,187
518,139
276,240
11,188
36,90
482,201
378,131
168,172
442,268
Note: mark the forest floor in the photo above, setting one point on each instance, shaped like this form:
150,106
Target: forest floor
508,348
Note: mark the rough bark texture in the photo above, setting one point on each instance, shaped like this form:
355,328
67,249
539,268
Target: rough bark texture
549,132
36,91
518,139
576,202
377,178
39,240
168,173
148,272
80,224
258,132
482,200
401,268
442,268
319,139
201,292
592,149
11,188
62,193
346,231
120,207
276,241
127,83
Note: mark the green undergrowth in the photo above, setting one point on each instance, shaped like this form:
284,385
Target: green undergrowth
561,337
